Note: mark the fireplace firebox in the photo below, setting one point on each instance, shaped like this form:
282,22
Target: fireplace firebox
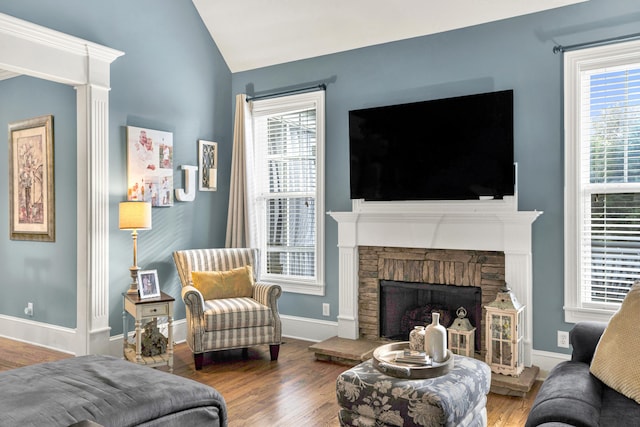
404,305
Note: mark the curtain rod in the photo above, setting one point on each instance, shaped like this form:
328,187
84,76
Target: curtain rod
560,48
287,92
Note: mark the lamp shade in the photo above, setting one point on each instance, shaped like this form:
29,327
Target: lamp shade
135,215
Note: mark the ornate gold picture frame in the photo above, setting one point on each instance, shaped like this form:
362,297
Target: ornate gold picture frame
31,186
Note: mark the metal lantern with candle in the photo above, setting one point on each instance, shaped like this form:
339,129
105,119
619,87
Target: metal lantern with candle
461,334
505,333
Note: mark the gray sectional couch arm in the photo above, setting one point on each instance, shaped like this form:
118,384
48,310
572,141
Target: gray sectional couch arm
584,339
572,396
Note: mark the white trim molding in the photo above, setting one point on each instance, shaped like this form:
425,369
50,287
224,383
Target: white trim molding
547,360
491,225
42,334
575,63
307,329
62,58
314,100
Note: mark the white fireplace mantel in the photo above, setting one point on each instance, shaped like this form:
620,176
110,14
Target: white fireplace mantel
493,225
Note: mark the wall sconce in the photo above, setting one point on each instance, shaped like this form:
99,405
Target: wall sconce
135,216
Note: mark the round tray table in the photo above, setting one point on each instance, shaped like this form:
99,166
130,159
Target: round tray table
384,360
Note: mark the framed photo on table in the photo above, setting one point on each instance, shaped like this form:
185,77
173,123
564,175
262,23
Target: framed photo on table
150,166
148,285
208,165
31,186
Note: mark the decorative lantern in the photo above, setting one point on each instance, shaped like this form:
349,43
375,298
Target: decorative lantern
505,333
461,334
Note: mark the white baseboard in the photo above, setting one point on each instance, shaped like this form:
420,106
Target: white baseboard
42,334
64,339
547,360
301,328
304,328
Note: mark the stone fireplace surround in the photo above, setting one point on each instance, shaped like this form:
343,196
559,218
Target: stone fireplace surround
462,268
476,225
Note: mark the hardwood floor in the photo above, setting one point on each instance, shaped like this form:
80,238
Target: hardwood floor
296,390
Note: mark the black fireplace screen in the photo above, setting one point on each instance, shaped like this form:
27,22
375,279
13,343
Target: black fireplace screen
404,305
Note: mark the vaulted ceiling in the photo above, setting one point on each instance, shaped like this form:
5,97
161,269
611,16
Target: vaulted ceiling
257,33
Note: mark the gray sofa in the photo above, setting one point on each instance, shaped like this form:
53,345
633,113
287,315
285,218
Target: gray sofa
572,396
105,391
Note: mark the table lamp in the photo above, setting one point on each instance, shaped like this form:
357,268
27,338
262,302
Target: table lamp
135,216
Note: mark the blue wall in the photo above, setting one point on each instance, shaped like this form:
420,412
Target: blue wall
43,273
171,78
510,54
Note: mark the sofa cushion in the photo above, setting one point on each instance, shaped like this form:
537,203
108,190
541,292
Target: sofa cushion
108,390
616,361
233,313
569,395
618,410
234,283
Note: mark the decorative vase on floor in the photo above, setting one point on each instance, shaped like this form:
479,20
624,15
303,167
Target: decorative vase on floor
435,339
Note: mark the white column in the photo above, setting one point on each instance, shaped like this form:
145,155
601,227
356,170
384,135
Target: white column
93,203
93,218
519,271
348,302
348,326
518,276
85,65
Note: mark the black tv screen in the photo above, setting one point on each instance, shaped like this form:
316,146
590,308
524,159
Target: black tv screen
447,149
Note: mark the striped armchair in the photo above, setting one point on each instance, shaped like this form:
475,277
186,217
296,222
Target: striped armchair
222,324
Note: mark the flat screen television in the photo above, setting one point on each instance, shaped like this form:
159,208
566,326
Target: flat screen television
446,149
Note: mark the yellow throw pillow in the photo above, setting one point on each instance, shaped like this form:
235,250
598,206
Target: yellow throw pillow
224,284
616,361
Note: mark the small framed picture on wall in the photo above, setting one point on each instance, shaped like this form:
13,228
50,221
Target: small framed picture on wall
207,165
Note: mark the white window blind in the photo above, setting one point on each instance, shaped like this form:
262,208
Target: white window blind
609,183
288,144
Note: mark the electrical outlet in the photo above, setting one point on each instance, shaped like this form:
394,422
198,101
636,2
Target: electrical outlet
29,309
326,309
563,339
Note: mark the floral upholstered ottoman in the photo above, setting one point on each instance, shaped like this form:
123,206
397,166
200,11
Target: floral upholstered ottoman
367,397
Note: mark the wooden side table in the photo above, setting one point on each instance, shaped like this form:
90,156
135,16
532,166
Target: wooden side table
143,311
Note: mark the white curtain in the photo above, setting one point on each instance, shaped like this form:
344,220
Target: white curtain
240,222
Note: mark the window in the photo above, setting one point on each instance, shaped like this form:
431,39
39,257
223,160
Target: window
602,175
288,190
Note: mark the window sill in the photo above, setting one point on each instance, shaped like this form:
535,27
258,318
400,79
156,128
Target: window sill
577,314
303,289
297,287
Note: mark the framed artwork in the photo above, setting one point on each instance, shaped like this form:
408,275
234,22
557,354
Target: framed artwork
207,165
150,166
31,186
148,285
